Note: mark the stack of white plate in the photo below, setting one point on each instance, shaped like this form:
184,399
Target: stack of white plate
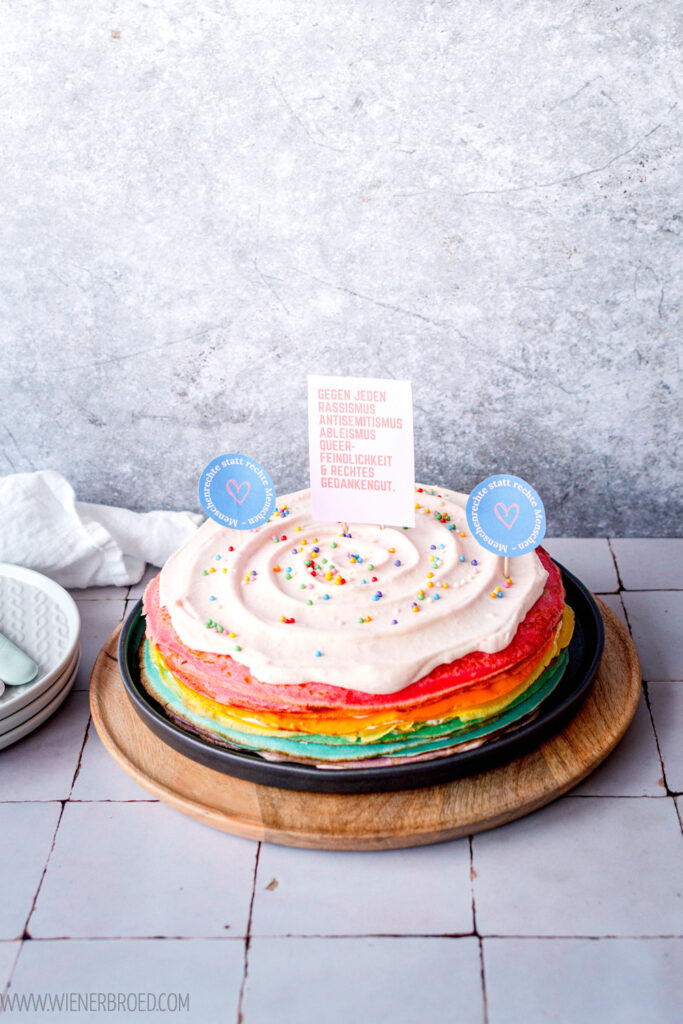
42,619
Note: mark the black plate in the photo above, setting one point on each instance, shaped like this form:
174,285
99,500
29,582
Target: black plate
585,651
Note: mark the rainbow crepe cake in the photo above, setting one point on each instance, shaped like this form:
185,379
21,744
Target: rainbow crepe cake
353,646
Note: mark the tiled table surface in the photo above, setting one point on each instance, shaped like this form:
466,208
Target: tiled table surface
573,914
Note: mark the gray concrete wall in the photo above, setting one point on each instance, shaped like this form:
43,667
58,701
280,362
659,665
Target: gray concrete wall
204,200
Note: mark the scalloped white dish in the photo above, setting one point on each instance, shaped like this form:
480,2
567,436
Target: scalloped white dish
28,711
43,620
22,730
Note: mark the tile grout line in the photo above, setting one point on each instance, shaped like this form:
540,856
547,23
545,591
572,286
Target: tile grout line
92,800
646,692
473,875
635,590
620,584
247,938
646,697
8,983
621,589
80,756
26,934
671,936
482,972
354,937
482,969
679,814
89,722
620,597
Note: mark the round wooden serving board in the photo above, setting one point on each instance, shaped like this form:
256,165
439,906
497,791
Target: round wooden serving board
374,821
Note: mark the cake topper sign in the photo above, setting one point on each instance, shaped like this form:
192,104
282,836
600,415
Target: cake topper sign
506,516
236,492
360,440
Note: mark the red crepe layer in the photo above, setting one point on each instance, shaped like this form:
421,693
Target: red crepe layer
225,680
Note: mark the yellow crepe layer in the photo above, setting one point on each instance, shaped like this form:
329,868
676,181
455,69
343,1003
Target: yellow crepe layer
478,702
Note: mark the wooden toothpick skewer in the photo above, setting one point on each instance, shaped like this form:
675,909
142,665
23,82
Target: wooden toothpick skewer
506,567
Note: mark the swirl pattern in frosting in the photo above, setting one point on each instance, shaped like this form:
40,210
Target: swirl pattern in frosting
368,608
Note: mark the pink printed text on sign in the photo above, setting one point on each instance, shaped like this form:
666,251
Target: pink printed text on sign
360,437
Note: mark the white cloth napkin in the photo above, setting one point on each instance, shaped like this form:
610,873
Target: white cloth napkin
77,544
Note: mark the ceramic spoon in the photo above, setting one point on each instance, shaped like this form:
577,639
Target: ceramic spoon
16,668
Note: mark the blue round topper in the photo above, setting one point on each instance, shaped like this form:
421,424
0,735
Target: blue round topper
236,492
506,516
